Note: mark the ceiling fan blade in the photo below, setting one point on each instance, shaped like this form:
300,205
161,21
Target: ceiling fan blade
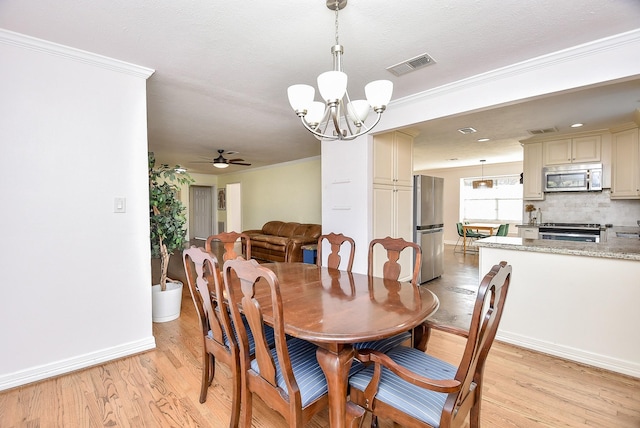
236,160
201,161
240,163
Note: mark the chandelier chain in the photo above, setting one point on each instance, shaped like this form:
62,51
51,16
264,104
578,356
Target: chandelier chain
337,8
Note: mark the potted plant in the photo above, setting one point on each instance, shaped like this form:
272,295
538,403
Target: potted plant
168,234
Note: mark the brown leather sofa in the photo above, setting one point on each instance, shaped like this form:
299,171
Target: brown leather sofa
278,241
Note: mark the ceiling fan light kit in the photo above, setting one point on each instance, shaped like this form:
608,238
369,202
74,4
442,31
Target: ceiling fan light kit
222,162
324,119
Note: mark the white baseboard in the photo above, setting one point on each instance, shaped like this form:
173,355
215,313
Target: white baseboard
33,374
630,368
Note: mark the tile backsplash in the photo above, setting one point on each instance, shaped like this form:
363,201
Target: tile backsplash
586,207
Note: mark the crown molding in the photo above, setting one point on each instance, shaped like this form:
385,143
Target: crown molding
539,63
27,42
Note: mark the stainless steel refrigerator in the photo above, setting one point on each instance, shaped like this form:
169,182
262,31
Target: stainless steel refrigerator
428,224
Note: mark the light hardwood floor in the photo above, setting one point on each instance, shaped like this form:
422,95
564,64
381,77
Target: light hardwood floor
160,388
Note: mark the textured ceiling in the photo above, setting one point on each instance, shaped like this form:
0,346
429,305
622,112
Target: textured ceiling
222,68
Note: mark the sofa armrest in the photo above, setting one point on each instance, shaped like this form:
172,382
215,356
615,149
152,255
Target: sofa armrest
294,247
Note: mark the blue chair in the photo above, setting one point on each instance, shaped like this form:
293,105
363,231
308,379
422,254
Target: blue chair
415,389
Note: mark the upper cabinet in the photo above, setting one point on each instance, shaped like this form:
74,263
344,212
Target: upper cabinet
573,150
532,172
625,163
393,159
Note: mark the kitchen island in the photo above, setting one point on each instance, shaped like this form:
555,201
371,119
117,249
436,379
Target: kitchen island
575,300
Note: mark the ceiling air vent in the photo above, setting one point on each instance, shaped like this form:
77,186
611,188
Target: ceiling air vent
466,130
542,131
412,64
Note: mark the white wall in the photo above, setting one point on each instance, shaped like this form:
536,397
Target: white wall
76,276
287,192
346,193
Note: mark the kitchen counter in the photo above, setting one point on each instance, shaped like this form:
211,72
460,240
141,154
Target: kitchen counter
612,248
575,300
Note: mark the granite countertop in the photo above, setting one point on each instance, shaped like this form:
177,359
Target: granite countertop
612,248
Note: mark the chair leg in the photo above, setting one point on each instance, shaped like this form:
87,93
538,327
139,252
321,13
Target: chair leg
374,421
246,406
235,397
206,375
455,249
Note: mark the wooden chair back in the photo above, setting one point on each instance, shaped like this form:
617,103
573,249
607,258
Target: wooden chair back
218,341
394,246
464,389
229,241
267,374
333,259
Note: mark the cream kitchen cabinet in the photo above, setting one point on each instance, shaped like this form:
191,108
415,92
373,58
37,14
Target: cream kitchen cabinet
393,159
393,216
573,150
393,196
532,172
625,164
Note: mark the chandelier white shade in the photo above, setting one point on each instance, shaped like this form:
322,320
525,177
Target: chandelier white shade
325,119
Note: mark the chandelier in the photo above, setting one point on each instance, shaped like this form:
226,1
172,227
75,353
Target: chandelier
324,119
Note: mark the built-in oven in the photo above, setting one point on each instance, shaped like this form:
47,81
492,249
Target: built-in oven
573,178
578,232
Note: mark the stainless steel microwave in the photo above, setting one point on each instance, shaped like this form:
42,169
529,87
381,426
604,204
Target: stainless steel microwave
573,178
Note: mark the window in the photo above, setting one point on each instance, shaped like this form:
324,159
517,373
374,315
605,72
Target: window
501,203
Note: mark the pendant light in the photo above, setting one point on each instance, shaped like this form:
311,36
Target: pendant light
482,184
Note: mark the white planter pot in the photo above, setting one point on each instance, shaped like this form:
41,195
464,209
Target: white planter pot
165,305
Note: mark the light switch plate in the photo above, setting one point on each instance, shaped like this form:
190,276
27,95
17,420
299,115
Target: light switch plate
120,205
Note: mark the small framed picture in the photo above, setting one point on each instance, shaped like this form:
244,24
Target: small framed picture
222,199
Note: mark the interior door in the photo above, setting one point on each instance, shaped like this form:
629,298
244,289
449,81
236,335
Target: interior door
201,212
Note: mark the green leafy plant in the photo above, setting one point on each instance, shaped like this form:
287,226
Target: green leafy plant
167,213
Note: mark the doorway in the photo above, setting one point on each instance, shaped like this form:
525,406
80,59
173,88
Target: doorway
201,212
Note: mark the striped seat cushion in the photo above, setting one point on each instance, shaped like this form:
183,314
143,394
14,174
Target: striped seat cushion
384,345
308,374
268,332
418,402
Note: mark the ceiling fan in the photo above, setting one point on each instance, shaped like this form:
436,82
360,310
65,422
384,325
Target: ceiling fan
222,162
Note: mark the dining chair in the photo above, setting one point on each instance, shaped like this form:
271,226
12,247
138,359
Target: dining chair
471,235
229,240
287,377
218,341
391,271
503,230
393,247
333,259
415,389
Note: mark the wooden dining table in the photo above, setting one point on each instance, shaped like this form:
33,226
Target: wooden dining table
478,227
335,309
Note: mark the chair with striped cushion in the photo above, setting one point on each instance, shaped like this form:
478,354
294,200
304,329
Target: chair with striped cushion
287,378
418,390
333,259
203,275
391,270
